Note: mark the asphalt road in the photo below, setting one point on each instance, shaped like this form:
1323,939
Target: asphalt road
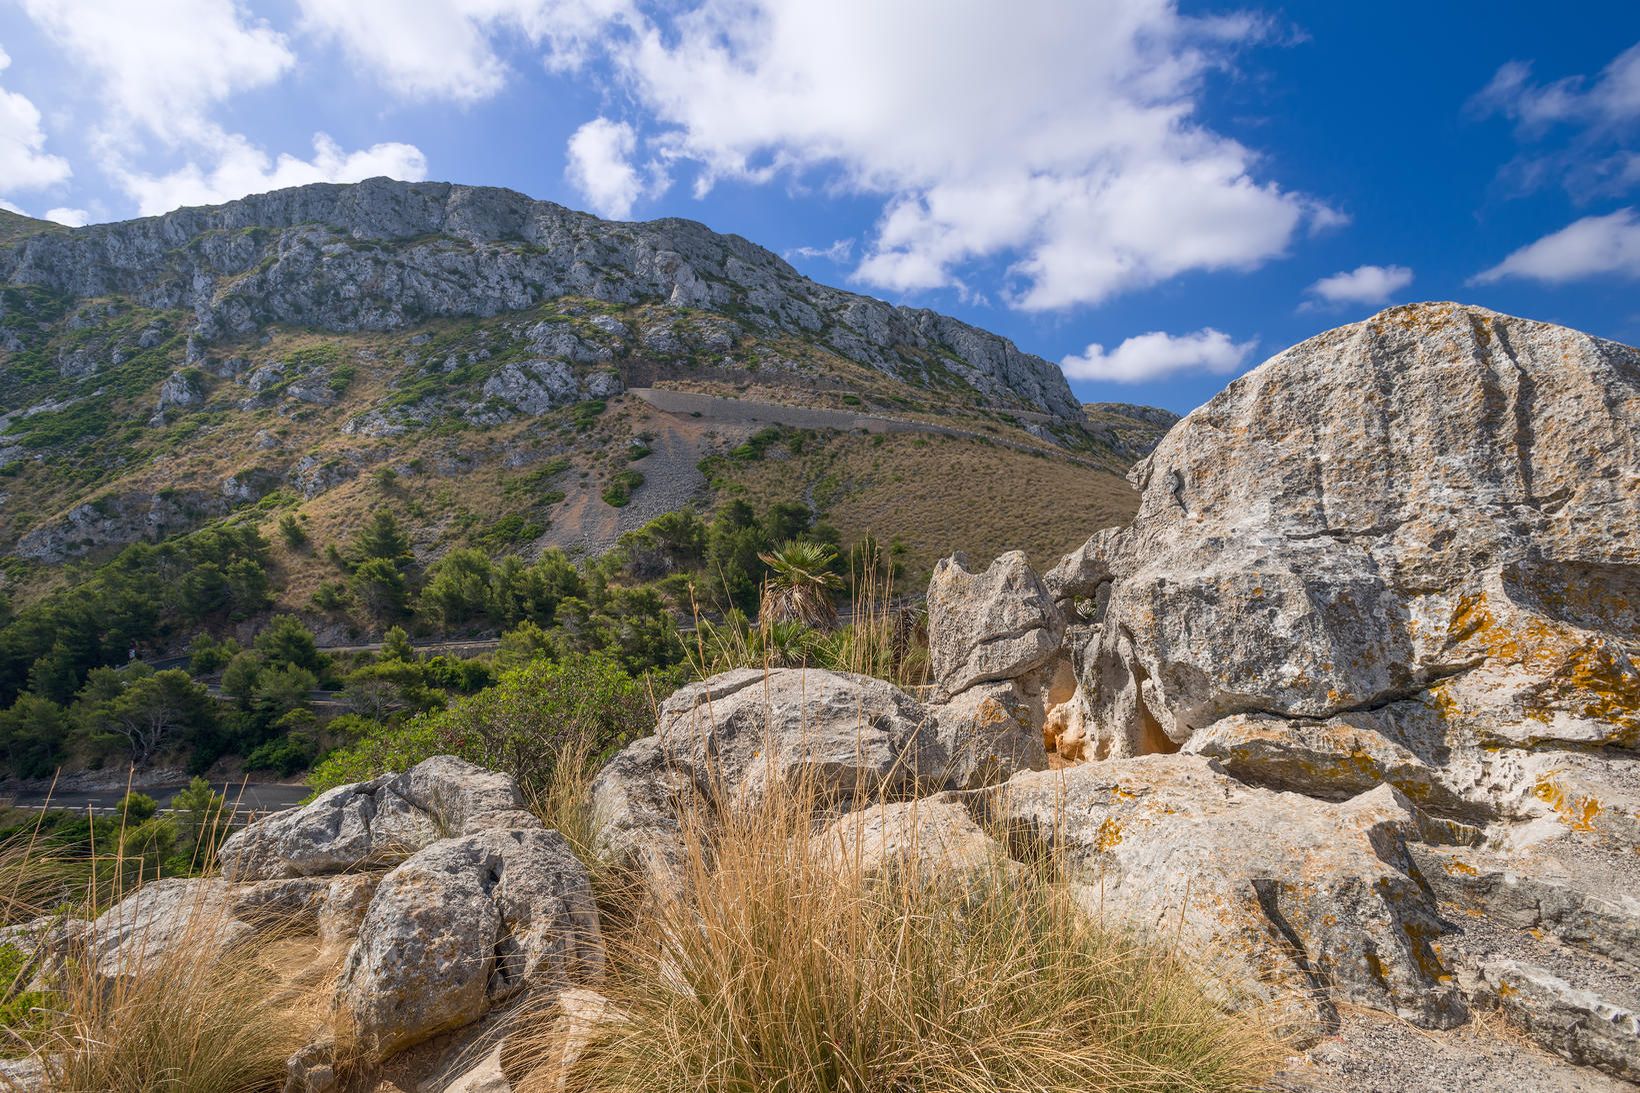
252,797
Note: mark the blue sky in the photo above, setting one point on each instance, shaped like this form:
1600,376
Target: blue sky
1158,196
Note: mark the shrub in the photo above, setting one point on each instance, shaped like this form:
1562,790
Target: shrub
284,756
294,534
619,492
521,725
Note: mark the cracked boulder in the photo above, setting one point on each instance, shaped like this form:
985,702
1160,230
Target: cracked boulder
725,738
374,824
1434,513
462,926
996,624
1296,904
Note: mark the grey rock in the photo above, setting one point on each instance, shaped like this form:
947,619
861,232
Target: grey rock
137,936
533,387
179,391
463,925
1298,903
725,738
997,624
376,823
1284,567
935,836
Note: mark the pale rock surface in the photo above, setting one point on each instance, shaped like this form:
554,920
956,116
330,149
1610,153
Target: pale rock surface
725,738
1468,547
139,934
1293,900
935,836
463,925
376,823
996,624
992,730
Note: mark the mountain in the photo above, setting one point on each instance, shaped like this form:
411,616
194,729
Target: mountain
511,374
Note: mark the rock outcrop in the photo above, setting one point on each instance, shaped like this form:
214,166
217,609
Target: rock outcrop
1431,518
1383,594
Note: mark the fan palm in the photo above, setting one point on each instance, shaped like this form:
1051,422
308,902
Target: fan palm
800,585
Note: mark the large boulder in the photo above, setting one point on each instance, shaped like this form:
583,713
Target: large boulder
996,624
1432,516
852,738
374,824
1295,902
462,926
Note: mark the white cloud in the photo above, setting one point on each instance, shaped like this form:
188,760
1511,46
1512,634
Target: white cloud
1612,100
600,166
1592,247
244,169
163,64
447,49
1362,285
1059,136
1582,129
839,251
163,68
1157,354
73,218
24,163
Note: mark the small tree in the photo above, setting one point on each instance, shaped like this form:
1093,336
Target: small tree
200,815
379,584
800,585
396,646
382,538
295,535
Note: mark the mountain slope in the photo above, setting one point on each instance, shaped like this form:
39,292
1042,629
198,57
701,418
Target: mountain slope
465,356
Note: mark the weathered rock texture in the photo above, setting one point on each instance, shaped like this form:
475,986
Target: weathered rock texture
1383,593
1431,518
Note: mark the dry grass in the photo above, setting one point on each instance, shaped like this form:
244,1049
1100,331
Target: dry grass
200,1016
195,1023
940,494
781,968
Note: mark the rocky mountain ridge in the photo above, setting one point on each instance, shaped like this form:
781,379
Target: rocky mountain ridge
383,255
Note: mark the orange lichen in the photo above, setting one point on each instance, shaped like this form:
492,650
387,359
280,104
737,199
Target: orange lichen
1577,813
1457,867
1108,836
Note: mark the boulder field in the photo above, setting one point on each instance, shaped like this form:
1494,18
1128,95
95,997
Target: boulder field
1351,710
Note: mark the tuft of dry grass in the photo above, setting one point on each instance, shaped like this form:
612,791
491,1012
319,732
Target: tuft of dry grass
202,1015
780,966
198,1022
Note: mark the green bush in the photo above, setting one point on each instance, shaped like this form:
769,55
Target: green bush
520,725
620,489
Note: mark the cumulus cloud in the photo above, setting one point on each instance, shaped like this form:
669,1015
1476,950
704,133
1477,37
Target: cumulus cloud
1158,354
163,69
448,49
24,163
163,65
601,168
1594,246
72,218
241,168
1060,136
1361,285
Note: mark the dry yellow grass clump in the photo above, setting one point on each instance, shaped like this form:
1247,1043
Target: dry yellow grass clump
779,967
